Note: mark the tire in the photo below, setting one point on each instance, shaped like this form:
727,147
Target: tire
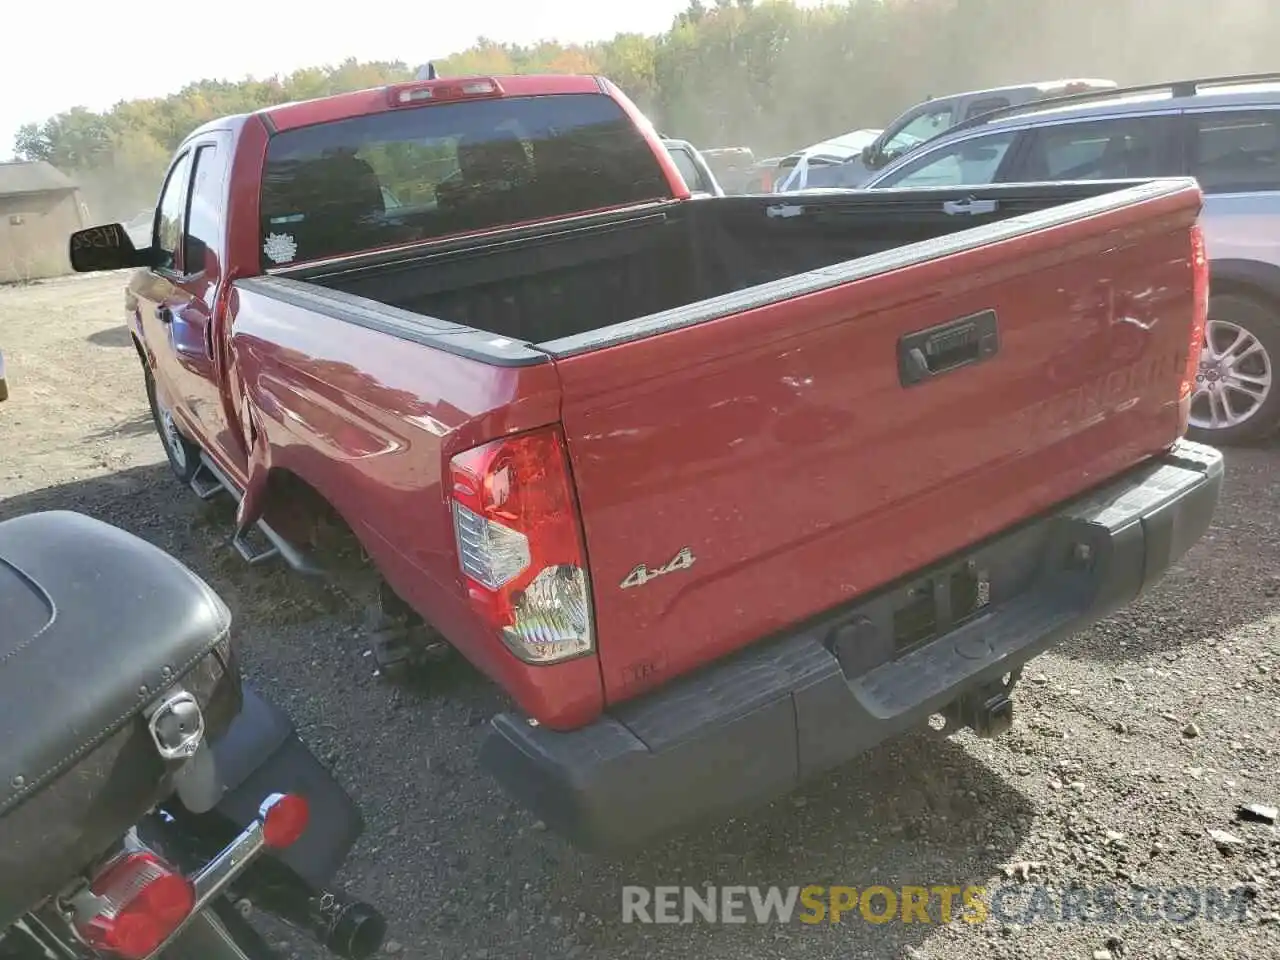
1237,383
183,455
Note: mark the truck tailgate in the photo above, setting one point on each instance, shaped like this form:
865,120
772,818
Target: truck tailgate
740,475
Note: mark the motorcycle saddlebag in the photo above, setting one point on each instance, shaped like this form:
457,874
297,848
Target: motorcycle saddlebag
96,627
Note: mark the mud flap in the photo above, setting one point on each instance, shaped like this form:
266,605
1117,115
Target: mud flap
261,754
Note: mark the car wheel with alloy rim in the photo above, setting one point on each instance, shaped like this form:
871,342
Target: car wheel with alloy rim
1236,398
183,455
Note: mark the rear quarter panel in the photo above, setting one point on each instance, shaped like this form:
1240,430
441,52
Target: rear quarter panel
370,422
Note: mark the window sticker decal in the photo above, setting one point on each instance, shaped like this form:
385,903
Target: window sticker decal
280,247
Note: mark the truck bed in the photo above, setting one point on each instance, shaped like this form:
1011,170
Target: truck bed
743,382
658,267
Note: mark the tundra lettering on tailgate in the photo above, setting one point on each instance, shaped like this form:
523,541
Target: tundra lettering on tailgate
1098,395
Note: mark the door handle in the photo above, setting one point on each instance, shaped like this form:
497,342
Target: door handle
971,205
929,353
164,314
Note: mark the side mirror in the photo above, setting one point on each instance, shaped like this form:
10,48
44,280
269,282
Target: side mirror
869,156
105,248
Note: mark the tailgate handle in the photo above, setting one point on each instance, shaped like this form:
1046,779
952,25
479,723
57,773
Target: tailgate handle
971,205
929,353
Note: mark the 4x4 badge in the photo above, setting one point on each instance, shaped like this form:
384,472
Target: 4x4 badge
642,574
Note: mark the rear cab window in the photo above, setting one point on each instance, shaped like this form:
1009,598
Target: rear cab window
421,173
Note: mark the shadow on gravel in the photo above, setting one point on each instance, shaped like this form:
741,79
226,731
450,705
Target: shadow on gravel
100,496
149,502
113,337
139,426
1231,578
918,812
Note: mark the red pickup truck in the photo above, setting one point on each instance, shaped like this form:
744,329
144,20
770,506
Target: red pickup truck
722,491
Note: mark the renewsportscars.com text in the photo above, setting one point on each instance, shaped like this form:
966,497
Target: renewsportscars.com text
939,904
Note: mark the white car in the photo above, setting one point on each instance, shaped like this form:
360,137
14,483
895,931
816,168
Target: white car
796,170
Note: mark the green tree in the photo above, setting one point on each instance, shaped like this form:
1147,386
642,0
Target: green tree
30,143
761,73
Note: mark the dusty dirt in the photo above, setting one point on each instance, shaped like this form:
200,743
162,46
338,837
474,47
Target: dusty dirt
1104,781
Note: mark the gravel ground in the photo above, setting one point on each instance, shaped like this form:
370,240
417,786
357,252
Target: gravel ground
1131,742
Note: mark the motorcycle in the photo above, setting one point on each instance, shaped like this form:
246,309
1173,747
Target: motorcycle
150,801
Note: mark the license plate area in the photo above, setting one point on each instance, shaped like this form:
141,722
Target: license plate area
940,603
921,609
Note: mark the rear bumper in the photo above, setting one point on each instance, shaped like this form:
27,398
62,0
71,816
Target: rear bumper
750,728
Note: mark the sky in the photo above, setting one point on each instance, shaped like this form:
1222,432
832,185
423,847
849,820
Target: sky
94,53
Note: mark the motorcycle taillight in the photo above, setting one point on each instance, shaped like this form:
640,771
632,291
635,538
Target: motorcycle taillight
139,901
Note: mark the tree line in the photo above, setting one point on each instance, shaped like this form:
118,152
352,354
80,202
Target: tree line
759,73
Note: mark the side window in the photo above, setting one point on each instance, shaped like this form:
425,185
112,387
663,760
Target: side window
986,105
169,216
688,169
204,212
786,170
1236,152
919,128
971,163
1100,150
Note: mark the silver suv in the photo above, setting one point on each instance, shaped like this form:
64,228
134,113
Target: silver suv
1223,131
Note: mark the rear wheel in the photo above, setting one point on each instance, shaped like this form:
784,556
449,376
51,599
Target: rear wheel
183,455
1236,398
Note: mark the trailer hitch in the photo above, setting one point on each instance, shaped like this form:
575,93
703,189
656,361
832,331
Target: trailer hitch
986,710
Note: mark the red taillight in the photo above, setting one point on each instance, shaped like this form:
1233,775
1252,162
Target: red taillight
140,901
519,545
284,820
436,91
1200,310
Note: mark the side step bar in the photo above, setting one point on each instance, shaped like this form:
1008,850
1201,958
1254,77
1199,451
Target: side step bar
208,482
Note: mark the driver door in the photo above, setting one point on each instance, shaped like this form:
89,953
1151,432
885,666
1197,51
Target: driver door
176,299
